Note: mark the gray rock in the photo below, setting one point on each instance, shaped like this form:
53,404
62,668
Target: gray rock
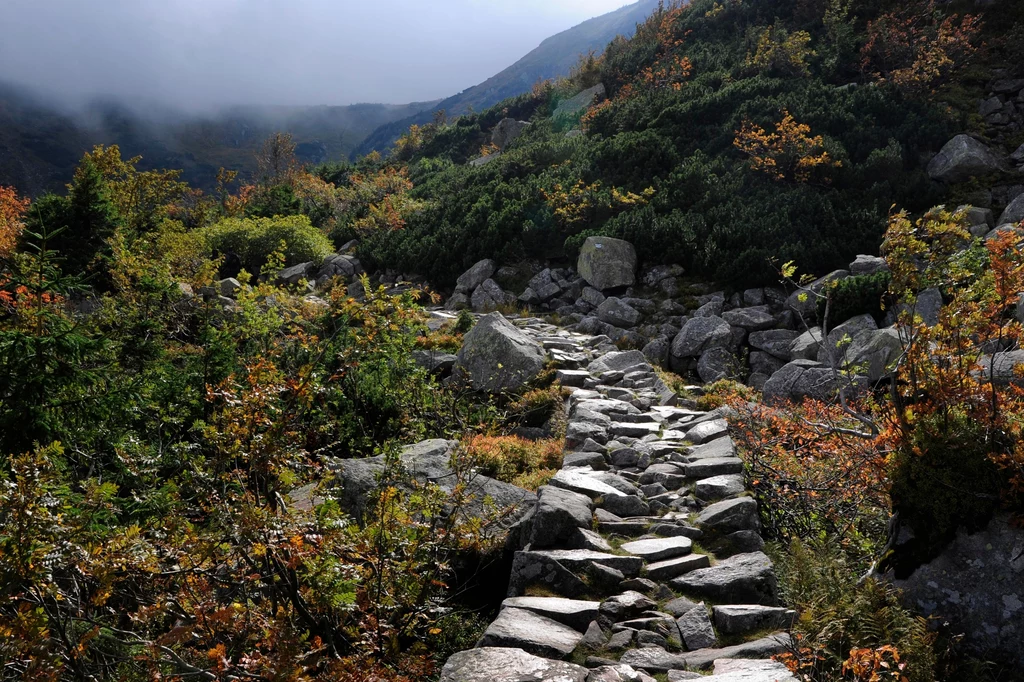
522,629
807,308
763,363
457,302
833,350
977,585
594,637
807,345
575,613
746,670
659,549
434,362
718,487
673,568
580,560
544,287
708,431
594,460
627,605
557,516
618,673
229,287
530,568
620,362
508,665
626,506
506,132
657,350
577,480
716,364
873,352
428,462
758,648
588,539
868,265
1014,213
475,276
658,273
776,342
607,263
296,273
592,297
740,542
489,297
800,379
696,629
616,312
714,466
744,579
700,334
746,618
750,319
728,516
961,159
497,356
712,308
1001,368
579,102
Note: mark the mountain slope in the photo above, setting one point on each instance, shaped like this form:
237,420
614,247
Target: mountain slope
553,58
40,144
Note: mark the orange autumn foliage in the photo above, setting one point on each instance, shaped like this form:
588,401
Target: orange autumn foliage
789,153
12,211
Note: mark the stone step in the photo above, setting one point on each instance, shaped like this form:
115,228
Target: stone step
535,634
659,549
657,660
741,579
575,613
673,568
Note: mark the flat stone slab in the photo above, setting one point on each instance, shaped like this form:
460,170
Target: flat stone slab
710,430
758,648
535,634
719,487
578,482
575,613
720,447
490,664
608,406
729,516
739,619
718,466
577,559
741,579
659,549
745,670
634,430
673,568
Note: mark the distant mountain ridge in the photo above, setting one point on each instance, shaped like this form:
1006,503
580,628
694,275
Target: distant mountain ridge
40,144
551,59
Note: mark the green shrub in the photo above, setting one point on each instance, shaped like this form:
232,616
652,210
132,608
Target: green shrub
253,240
858,295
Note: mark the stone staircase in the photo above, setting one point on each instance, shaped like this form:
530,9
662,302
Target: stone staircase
641,556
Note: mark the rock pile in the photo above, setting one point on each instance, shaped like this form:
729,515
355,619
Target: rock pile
609,573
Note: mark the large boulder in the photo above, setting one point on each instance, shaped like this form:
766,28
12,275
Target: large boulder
805,303
506,132
501,664
579,102
872,352
961,159
489,296
618,313
699,335
801,379
741,579
533,633
497,357
977,585
1014,213
428,462
475,276
296,273
834,350
607,263
558,514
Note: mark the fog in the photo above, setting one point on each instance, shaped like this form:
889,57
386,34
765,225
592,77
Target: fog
198,54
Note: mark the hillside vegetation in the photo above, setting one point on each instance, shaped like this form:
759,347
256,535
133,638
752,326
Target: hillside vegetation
735,133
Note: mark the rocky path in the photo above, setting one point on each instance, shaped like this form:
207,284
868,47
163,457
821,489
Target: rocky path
641,556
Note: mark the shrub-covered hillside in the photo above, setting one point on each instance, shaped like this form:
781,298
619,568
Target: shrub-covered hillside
735,133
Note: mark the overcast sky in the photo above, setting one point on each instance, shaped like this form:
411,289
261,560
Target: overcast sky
214,52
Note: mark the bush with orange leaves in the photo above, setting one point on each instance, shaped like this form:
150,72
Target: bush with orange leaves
789,153
526,463
12,210
918,49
